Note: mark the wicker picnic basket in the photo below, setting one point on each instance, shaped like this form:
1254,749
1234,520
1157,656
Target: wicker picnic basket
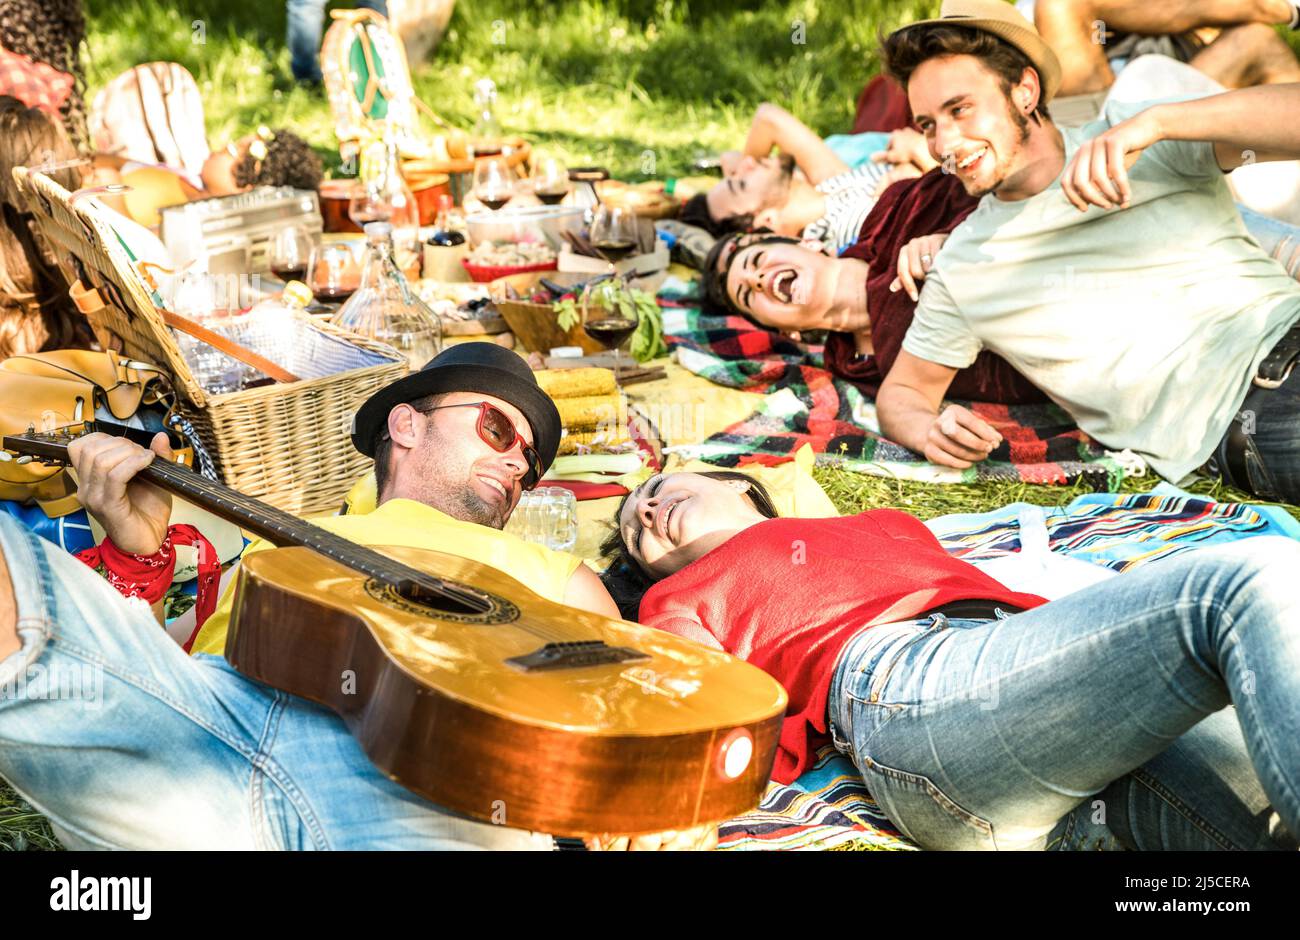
285,444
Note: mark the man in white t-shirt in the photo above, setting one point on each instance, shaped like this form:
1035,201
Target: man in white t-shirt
1107,264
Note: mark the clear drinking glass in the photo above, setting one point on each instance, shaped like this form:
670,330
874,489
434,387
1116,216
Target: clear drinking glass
194,297
546,516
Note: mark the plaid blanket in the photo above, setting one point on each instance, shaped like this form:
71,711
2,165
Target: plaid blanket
805,404
828,807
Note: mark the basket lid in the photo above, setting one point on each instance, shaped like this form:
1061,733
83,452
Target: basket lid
82,229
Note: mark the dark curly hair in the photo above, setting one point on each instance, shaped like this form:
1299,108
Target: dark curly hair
52,31
904,51
716,269
695,211
289,161
624,577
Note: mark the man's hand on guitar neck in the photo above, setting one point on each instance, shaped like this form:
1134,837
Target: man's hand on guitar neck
700,838
134,514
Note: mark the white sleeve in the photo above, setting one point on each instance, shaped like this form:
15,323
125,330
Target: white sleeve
1193,159
939,333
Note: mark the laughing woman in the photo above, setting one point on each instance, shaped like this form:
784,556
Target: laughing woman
980,717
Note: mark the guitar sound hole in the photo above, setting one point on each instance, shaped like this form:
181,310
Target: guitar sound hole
414,598
418,594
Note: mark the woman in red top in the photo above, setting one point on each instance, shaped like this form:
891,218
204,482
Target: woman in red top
981,717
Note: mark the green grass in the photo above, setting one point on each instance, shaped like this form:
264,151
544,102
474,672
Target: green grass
854,492
592,83
22,829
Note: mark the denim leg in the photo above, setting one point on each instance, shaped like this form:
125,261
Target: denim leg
106,726
379,6
306,21
1277,437
109,729
1201,793
335,798
984,735
1280,240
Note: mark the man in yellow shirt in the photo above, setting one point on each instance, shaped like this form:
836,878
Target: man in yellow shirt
442,486
187,753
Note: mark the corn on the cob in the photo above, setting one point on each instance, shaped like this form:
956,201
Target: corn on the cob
591,412
576,383
569,444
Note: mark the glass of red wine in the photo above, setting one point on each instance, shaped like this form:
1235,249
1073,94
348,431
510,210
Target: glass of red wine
333,273
550,181
288,252
614,233
609,312
609,315
494,182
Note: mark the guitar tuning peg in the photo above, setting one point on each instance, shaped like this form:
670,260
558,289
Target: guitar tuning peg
5,456
26,458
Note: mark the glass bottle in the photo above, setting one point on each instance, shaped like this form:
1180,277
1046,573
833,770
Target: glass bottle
386,308
383,195
485,140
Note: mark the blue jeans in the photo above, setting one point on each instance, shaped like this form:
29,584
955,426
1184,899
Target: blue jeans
305,28
1273,469
1105,705
123,741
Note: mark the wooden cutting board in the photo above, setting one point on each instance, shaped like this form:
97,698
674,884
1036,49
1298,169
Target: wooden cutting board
629,371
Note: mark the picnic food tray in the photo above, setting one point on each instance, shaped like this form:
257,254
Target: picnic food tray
285,444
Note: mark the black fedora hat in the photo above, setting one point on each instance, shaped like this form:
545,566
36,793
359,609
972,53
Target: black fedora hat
466,367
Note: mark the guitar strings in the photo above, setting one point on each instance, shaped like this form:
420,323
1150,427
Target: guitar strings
332,545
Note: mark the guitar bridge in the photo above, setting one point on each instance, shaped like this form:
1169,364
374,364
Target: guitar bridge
575,655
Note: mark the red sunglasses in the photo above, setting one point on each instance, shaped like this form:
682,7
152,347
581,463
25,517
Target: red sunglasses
498,432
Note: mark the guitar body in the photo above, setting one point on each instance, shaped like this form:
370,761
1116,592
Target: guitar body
462,709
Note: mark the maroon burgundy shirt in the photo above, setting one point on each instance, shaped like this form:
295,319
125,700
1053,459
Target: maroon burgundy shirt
928,205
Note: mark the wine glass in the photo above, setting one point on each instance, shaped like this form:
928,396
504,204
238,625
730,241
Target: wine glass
288,252
609,314
369,203
333,273
550,181
494,183
614,233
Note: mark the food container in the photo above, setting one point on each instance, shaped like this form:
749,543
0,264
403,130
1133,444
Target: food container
443,262
536,325
524,223
484,273
646,200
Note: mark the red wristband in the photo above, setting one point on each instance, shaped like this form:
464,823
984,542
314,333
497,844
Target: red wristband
144,576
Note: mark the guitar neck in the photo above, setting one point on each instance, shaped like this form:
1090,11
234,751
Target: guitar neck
274,525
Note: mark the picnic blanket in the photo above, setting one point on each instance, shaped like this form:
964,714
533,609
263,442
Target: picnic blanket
805,404
828,807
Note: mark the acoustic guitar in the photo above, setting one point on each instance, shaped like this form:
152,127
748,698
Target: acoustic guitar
470,690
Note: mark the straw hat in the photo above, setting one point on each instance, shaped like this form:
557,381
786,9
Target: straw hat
1006,22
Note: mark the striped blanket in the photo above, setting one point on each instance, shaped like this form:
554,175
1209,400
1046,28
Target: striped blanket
829,808
805,404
